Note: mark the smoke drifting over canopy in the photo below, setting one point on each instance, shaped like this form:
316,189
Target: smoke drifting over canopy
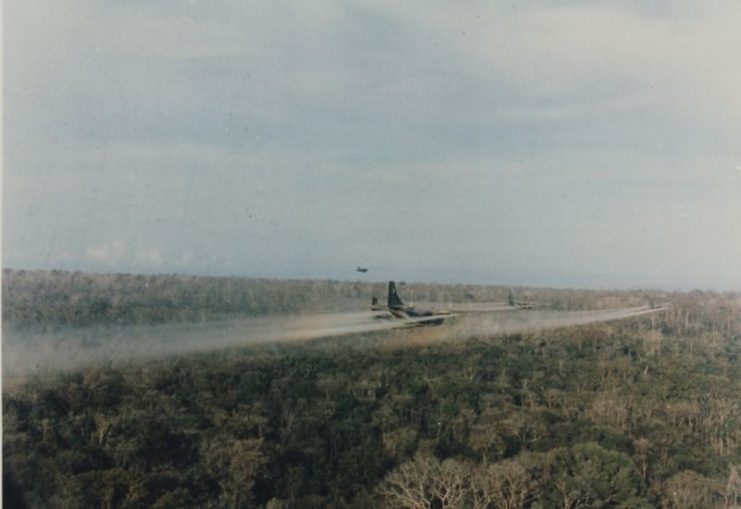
25,354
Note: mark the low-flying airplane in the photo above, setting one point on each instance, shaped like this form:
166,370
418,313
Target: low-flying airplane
395,314
361,269
518,303
395,308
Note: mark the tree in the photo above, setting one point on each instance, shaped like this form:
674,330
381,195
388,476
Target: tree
733,487
424,482
686,490
504,485
588,475
234,465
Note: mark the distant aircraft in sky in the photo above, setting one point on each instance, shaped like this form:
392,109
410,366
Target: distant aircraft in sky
361,269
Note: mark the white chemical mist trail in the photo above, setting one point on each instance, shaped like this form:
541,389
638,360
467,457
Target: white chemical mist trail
26,354
528,320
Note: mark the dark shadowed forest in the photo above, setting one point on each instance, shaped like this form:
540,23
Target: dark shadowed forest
638,413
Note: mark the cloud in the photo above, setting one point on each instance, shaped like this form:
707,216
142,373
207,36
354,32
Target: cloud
335,77
149,257
116,253
109,253
274,135
576,50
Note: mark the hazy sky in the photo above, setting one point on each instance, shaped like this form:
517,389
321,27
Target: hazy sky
544,143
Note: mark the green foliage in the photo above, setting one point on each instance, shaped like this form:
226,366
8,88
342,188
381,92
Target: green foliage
641,413
596,476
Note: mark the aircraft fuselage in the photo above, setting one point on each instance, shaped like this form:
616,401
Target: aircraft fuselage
405,312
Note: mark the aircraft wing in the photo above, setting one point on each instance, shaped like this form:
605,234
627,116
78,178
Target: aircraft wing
481,307
423,319
467,307
396,323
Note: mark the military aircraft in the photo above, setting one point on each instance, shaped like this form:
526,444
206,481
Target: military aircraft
395,314
361,269
518,303
395,308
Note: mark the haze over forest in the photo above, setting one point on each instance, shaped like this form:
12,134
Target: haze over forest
130,391
569,143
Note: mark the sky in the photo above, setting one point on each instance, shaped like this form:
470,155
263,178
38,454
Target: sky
534,143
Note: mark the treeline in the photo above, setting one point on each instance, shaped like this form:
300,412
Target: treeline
495,422
630,414
59,298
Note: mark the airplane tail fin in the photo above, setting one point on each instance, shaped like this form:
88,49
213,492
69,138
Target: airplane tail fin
394,300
